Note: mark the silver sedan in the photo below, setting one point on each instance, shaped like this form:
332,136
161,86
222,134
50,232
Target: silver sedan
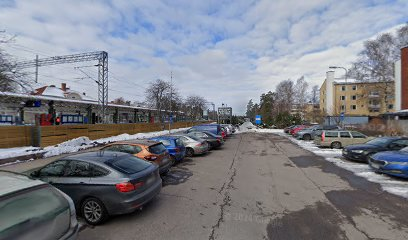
194,146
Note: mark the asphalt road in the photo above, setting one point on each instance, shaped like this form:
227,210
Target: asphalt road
262,186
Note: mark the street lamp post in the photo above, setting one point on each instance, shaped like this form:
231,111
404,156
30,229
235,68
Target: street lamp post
345,80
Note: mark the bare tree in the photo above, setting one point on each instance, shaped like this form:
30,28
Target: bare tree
11,79
195,105
284,96
315,96
121,101
155,95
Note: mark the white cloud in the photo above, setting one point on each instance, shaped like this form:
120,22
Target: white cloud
228,51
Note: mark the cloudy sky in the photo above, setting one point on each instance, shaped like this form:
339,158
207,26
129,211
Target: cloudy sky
228,51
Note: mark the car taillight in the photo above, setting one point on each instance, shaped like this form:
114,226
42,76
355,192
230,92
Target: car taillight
125,187
322,136
177,149
150,158
198,145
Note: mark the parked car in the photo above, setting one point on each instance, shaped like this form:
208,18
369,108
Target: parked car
360,152
212,128
287,129
103,183
394,163
296,129
148,150
194,145
174,146
33,209
214,141
310,132
339,139
230,129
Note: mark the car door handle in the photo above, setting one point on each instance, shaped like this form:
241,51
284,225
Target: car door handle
81,182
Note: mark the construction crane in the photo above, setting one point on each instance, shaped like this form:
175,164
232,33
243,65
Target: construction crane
102,65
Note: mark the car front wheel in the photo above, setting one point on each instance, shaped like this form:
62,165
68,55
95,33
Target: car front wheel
189,152
307,137
93,211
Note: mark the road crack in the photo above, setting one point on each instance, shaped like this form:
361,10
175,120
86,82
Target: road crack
228,185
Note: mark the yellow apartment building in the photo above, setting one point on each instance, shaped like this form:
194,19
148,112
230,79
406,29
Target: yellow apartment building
356,98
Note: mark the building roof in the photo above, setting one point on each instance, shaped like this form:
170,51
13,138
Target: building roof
53,98
355,81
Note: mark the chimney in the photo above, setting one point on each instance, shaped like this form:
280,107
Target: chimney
64,87
404,78
329,93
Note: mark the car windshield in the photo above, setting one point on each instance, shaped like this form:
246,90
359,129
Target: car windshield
379,141
128,164
195,138
157,149
34,208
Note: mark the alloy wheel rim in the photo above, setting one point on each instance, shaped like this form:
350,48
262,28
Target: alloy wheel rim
92,211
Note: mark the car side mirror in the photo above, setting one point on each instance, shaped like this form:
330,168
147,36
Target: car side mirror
35,173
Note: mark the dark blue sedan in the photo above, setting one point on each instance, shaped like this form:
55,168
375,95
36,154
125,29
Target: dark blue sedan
174,145
393,163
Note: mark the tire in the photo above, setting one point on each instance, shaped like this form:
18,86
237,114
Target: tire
307,137
93,211
189,152
336,145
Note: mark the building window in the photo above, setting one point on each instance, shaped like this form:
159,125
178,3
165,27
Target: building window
343,88
362,106
342,97
354,87
343,107
390,106
354,97
353,107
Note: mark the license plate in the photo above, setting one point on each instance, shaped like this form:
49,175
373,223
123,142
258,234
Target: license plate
165,160
376,166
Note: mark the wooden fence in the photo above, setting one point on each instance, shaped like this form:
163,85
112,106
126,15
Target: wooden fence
19,136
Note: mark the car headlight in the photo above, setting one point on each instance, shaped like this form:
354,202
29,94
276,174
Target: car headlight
357,151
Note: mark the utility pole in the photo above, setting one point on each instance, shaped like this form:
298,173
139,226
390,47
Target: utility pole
171,98
36,68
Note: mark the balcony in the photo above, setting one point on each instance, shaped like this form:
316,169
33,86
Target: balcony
374,106
373,95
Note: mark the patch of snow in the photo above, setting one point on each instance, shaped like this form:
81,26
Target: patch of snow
54,92
18,151
390,184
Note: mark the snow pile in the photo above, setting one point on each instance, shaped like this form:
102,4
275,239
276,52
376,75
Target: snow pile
73,145
77,144
246,126
389,184
18,151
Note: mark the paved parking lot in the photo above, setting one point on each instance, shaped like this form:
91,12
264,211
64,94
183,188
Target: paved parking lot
262,186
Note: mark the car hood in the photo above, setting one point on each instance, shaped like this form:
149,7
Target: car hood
362,147
392,156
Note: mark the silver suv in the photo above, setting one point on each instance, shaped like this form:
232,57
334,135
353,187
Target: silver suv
32,209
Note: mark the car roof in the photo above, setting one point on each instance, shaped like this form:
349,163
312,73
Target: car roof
146,142
96,156
13,182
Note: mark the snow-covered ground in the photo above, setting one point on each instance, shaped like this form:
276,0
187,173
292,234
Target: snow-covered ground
77,144
389,184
